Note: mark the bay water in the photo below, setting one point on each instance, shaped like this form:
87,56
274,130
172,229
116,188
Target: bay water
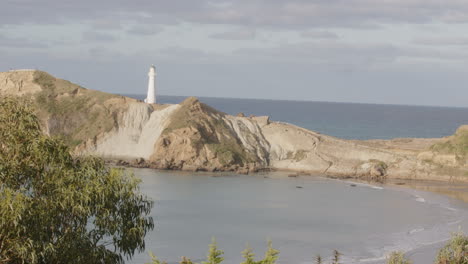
363,222
303,216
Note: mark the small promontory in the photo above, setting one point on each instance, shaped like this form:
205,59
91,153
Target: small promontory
194,136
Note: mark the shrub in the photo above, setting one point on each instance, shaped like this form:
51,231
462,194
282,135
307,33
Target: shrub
397,258
214,254
455,252
271,255
248,255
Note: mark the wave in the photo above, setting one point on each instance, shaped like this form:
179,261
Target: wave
363,184
416,230
419,199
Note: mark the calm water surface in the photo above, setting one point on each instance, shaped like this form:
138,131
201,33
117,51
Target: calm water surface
362,222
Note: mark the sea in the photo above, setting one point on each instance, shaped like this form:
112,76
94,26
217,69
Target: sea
304,216
345,120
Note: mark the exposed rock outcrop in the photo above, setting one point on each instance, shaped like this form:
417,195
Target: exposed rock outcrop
19,83
193,136
135,134
199,137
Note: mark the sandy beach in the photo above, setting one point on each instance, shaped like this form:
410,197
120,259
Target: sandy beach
427,254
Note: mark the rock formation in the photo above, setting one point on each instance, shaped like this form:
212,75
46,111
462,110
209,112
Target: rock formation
193,136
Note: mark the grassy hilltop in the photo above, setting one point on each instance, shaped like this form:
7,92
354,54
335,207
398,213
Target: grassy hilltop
65,109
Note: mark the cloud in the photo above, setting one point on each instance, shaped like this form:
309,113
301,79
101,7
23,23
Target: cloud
263,73
243,34
98,37
20,43
319,35
442,41
106,24
326,54
145,30
343,56
181,54
103,53
252,13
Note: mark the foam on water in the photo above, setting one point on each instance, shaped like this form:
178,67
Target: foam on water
362,184
420,199
416,230
419,237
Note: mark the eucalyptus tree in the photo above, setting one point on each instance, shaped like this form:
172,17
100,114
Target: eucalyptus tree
56,208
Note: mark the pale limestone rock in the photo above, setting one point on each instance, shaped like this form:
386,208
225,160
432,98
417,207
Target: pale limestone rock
447,159
261,120
18,83
135,135
426,155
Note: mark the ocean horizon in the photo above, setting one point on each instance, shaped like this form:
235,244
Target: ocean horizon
361,121
182,97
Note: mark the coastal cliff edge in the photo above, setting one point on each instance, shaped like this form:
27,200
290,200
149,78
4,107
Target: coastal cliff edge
195,137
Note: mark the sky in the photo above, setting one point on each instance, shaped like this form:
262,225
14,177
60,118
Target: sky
365,51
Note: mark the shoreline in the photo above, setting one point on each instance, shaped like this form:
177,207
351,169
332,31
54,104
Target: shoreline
141,163
453,189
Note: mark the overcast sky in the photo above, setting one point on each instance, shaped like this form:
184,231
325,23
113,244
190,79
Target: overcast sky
368,51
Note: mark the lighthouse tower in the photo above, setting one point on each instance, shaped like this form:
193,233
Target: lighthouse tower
151,96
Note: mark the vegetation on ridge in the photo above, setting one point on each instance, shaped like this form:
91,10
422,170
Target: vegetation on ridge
75,113
456,144
58,209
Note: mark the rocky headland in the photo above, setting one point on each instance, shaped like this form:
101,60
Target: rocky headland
195,137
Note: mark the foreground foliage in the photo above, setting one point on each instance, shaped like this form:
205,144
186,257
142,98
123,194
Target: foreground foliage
214,256
397,258
455,252
58,209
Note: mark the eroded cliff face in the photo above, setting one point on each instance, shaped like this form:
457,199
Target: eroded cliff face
193,136
199,137
134,135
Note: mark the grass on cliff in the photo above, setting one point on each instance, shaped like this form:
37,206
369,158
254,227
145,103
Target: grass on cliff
298,155
75,113
456,144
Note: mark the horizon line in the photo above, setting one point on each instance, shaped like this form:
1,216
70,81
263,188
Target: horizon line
307,101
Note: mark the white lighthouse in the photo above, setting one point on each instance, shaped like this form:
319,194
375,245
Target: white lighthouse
151,96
